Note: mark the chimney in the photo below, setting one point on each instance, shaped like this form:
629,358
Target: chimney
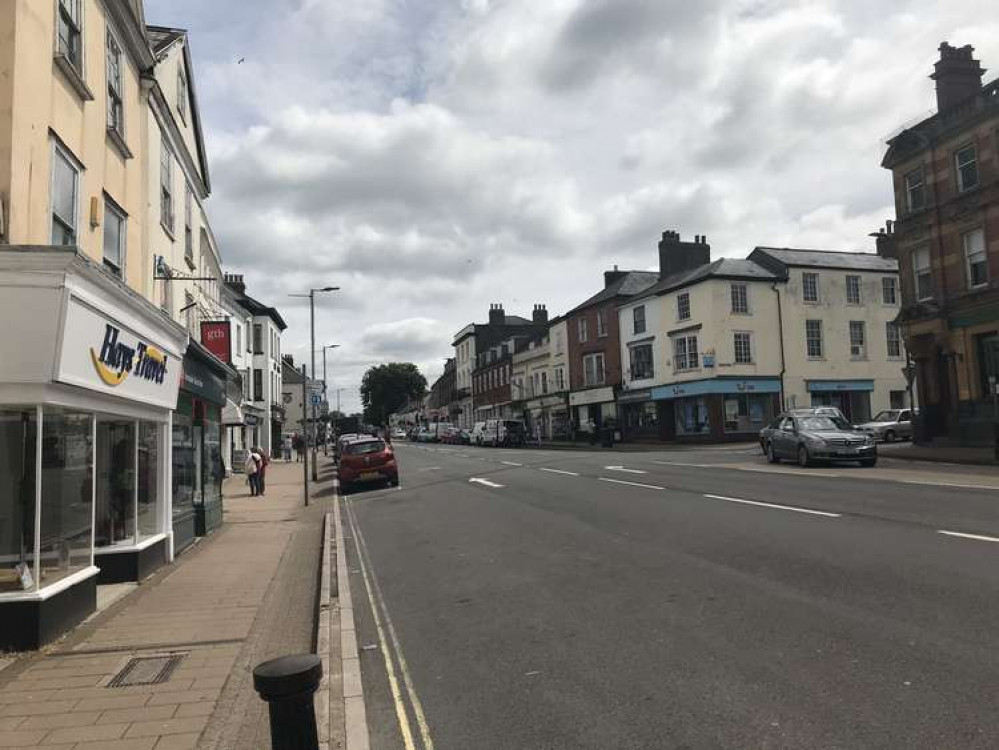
235,282
675,255
497,316
958,75
611,276
540,315
884,241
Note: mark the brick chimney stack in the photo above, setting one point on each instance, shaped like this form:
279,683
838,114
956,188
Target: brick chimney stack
235,282
675,255
497,316
540,315
958,75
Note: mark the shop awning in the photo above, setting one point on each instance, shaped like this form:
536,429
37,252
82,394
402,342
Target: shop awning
231,413
716,386
822,386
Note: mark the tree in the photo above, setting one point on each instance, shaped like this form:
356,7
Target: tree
386,388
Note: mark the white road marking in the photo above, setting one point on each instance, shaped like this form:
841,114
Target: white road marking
626,471
774,506
407,679
950,484
486,482
977,537
462,455
631,484
681,463
559,471
510,463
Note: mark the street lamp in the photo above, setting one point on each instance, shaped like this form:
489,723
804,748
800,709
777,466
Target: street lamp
312,373
326,348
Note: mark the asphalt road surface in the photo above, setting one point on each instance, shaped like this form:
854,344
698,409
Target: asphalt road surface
542,599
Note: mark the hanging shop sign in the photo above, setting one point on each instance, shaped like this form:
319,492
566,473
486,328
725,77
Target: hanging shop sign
216,337
103,355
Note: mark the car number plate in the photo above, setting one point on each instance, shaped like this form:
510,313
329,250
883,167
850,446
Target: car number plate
847,452
369,475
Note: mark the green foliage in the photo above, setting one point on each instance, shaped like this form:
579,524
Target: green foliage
386,388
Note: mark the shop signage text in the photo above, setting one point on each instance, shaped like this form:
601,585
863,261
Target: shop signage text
215,337
117,360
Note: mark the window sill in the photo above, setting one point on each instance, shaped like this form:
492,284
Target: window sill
74,77
810,301
189,259
168,230
118,140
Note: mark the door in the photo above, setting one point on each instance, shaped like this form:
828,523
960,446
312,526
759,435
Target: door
785,444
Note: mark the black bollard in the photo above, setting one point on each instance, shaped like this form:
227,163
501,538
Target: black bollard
288,684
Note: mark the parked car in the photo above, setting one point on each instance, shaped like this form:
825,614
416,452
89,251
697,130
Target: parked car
399,434
504,432
825,411
890,425
367,459
808,438
478,432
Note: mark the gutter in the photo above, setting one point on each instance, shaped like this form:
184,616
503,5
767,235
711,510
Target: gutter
780,328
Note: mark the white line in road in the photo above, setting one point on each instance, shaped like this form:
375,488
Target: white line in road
681,463
626,471
510,463
950,484
631,484
559,471
977,537
486,482
774,506
462,455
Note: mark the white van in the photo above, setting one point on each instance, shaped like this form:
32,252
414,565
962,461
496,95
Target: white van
478,433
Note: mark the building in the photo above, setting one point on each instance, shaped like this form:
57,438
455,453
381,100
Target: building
297,419
539,383
715,350
444,405
594,350
265,373
87,404
945,175
465,357
242,417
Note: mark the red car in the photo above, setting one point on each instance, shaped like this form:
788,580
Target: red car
367,460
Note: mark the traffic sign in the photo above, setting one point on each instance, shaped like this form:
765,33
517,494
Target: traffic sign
317,398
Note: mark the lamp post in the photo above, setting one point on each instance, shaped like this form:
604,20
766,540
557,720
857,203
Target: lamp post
312,334
326,348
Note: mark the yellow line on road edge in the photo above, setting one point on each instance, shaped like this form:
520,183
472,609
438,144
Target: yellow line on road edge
400,707
407,679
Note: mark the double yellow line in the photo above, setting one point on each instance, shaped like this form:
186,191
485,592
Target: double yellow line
384,625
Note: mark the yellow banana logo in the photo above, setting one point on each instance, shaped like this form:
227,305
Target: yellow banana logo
109,376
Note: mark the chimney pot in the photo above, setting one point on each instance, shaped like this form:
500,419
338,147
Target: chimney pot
958,75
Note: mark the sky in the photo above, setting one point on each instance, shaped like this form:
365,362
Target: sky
431,157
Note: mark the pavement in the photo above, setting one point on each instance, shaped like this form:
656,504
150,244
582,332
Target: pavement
558,599
242,595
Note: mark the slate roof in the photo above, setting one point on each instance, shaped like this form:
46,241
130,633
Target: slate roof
161,37
630,284
723,268
799,258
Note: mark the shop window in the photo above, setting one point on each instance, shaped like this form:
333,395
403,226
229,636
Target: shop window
18,445
748,412
896,399
889,290
642,367
183,460
683,306
810,287
853,290
638,320
147,479
692,416
115,491
67,494
740,299
915,190
975,259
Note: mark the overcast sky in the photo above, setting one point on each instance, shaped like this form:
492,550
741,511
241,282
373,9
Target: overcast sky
433,156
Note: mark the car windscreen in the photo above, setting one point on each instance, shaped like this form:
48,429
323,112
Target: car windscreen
364,446
888,415
816,424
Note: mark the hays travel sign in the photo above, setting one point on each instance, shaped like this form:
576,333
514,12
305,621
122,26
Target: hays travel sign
104,355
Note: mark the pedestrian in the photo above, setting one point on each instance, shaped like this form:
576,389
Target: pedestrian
300,449
265,459
252,467
286,447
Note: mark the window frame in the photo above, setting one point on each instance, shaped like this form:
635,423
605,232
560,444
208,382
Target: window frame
65,14
961,187
928,268
600,376
744,287
968,264
805,277
182,93
115,84
748,338
892,282
188,224
601,324
59,151
582,331
689,360
851,280
910,188
637,318
861,326
683,297
112,207
167,214
890,339
820,338
649,372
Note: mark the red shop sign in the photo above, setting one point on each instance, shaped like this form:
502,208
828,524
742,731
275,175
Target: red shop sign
216,338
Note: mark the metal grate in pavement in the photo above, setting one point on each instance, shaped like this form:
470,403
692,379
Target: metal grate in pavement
146,670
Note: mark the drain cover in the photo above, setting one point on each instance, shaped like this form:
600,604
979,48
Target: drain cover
146,670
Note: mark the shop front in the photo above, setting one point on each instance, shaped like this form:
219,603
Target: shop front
198,470
545,417
852,397
591,409
638,415
86,393
717,409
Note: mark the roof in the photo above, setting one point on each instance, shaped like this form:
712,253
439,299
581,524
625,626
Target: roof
800,258
161,37
723,268
259,308
628,285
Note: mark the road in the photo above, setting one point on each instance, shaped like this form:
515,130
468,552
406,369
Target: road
680,599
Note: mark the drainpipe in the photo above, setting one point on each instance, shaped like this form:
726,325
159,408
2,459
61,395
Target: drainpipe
780,328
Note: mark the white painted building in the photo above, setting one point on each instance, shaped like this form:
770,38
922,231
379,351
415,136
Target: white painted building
464,359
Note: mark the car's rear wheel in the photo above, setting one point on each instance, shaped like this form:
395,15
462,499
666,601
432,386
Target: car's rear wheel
394,481
772,454
890,436
803,459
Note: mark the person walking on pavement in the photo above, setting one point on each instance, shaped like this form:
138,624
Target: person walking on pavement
299,448
286,447
265,459
252,467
